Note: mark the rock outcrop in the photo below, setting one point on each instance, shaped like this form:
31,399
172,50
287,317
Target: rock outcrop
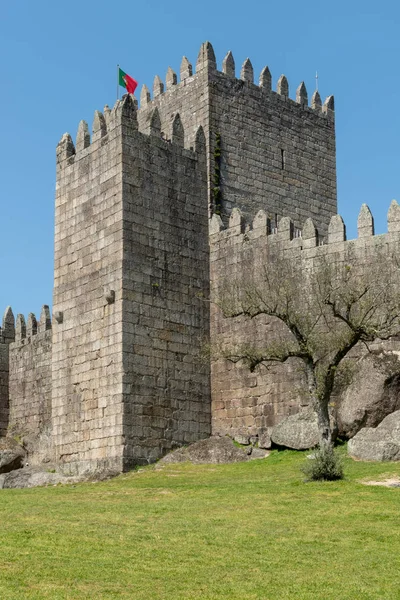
299,432
371,396
29,477
380,443
213,450
12,455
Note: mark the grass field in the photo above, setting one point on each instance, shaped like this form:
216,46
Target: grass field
244,531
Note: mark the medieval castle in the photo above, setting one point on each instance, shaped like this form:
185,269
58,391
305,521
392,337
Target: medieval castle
151,211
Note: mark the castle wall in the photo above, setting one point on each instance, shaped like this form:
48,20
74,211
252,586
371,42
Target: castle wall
87,369
4,400
131,274
165,291
7,335
248,404
189,98
30,388
276,153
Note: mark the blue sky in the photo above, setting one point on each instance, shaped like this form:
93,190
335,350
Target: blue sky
57,65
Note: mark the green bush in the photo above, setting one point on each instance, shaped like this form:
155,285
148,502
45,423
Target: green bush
325,465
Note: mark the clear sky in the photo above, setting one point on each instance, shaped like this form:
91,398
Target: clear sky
57,65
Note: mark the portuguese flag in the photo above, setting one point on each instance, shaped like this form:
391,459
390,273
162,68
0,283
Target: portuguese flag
127,81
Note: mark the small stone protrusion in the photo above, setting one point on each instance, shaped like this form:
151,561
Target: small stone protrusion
329,106
83,136
127,111
171,79
158,87
8,325
286,228
261,223
200,141
186,69
99,127
20,328
309,234
365,222
45,319
65,148
394,217
301,94
178,133
316,102
247,71
155,123
59,316
145,96
206,57
228,65
116,107
216,224
107,115
336,230
31,326
265,80
236,220
109,296
283,87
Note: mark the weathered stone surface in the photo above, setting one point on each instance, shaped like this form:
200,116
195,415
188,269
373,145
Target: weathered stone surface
370,397
29,477
299,432
257,453
264,440
128,383
212,450
12,455
242,439
121,382
30,388
381,443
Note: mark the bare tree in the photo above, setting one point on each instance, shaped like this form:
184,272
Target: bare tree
323,308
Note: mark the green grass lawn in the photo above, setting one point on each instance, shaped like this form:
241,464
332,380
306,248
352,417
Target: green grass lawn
245,531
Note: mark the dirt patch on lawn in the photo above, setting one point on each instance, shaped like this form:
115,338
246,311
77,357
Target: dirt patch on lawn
390,482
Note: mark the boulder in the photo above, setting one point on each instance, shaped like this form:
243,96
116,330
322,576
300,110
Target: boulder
299,431
215,450
380,443
12,455
257,453
264,440
371,396
29,477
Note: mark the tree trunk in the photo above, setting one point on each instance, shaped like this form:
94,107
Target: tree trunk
321,408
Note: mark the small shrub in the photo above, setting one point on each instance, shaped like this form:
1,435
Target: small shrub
326,465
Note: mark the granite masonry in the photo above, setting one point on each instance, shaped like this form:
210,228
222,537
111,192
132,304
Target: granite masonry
118,376
248,404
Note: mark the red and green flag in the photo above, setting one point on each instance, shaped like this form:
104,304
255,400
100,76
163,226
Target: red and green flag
127,81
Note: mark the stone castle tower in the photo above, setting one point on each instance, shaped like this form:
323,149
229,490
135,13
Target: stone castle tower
117,377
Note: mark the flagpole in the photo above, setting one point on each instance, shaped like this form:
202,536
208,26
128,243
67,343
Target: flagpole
117,82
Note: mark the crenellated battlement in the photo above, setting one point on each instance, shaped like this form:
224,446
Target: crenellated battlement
240,233
105,125
25,331
19,330
206,62
7,330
